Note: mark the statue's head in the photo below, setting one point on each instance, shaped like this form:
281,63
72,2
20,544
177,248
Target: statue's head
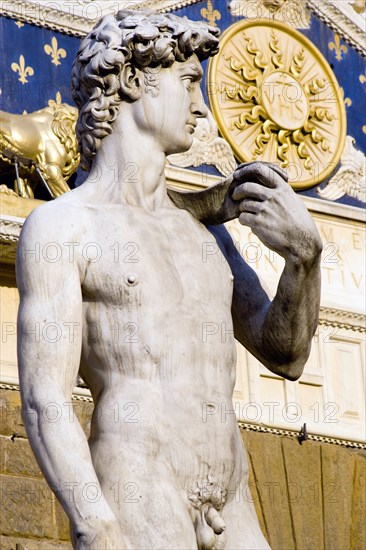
114,51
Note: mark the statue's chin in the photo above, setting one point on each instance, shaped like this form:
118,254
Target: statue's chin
181,147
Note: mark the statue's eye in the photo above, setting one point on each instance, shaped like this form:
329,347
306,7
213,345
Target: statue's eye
187,81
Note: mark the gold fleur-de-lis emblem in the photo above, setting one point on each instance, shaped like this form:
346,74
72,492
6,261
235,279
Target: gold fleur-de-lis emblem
210,14
54,51
57,101
19,24
22,70
362,78
347,100
338,48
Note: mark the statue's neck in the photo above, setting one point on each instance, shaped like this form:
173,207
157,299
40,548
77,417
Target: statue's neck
129,169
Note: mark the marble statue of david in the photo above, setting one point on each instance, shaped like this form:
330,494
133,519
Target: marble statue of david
121,291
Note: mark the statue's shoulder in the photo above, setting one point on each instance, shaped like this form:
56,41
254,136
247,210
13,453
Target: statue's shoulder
57,220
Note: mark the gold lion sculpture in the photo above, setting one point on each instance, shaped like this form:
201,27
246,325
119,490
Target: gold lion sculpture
43,141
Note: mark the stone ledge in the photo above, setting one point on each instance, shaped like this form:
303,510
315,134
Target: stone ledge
10,543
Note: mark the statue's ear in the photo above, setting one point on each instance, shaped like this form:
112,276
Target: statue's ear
130,81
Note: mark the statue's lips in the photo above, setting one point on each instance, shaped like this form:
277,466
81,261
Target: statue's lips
192,126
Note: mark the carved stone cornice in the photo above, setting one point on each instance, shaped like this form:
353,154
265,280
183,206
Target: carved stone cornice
342,19
50,18
10,228
247,426
72,22
331,317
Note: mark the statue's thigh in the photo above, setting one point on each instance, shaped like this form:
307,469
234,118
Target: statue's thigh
242,527
156,517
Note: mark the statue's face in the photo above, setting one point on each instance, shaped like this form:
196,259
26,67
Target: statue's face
172,115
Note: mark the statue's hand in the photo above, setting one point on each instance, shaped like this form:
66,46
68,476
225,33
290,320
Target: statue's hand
101,535
273,211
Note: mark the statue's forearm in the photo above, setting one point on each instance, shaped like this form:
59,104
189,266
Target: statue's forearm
292,318
63,454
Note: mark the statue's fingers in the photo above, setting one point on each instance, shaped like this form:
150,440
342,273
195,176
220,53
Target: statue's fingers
268,174
252,190
249,205
247,218
274,165
277,168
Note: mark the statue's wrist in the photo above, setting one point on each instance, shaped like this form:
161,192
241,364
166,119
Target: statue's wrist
306,256
96,519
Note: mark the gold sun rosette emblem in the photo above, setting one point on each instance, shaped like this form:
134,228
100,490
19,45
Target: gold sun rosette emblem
276,99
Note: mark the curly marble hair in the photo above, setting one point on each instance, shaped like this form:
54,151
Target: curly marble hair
144,38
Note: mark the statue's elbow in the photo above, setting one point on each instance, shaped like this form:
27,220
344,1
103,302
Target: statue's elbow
292,366
293,374
288,371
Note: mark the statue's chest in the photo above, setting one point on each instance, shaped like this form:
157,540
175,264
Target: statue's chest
162,261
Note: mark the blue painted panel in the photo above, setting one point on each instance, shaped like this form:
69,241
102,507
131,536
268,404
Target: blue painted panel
29,41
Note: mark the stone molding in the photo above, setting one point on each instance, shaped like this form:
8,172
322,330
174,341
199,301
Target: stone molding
69,23
42,16
349,320
10,227
311,437
247,426
339,16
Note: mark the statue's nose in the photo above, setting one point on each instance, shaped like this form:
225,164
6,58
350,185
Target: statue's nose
198,107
